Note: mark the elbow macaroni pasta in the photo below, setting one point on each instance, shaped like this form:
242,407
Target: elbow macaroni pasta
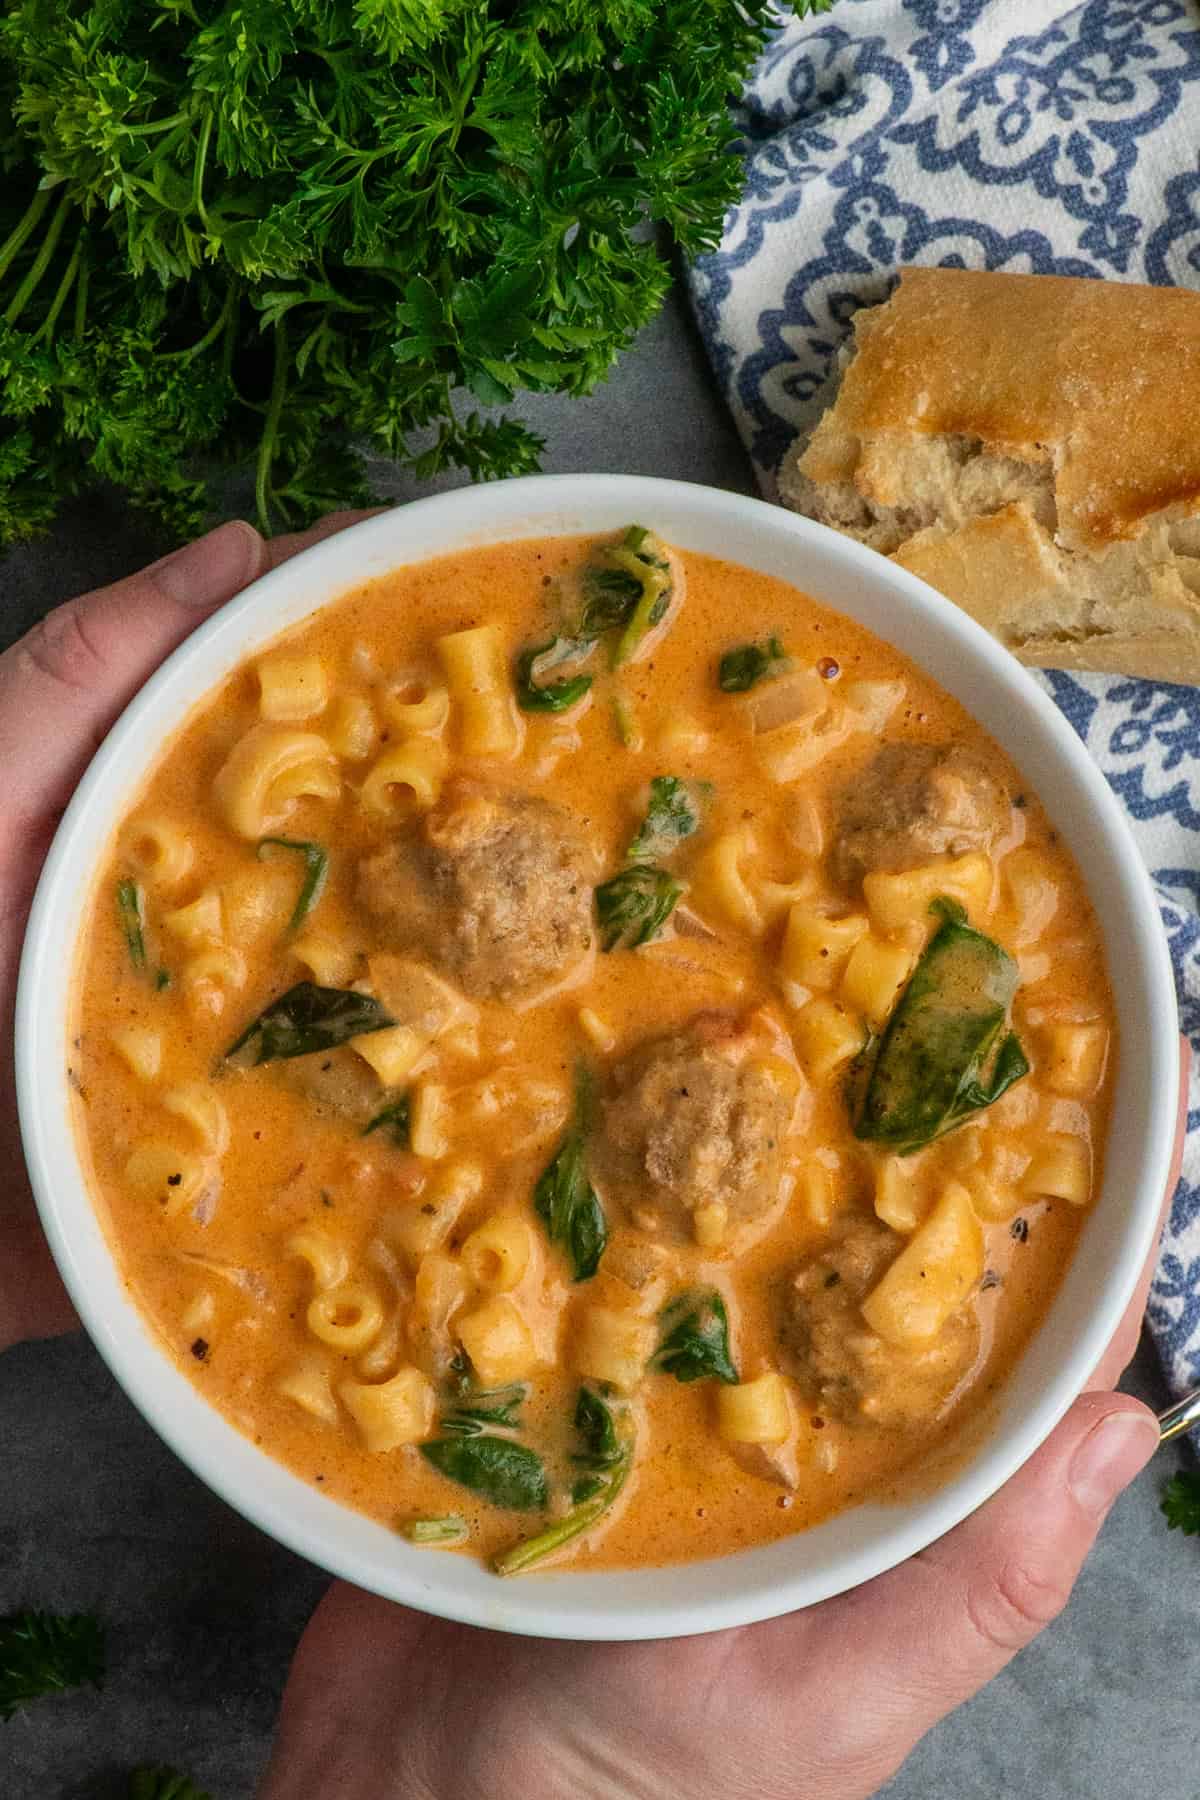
477,673
268,772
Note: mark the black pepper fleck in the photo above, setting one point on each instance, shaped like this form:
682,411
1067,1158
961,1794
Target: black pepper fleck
200,1349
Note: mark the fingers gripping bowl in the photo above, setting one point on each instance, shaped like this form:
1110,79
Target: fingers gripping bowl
762,1088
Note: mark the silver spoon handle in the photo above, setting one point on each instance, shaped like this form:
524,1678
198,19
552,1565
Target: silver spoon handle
1179,1418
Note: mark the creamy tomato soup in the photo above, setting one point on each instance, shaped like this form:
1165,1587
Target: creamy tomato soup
590,1056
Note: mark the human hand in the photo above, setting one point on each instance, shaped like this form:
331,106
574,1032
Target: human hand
61,687
387,1704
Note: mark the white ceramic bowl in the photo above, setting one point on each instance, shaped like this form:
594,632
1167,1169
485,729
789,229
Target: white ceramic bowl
754,1584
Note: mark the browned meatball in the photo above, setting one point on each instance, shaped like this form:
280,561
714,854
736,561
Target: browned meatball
694,1119
912,803
845,1368
493,888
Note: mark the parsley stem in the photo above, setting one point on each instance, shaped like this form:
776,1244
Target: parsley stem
46,329
81,294
40,264
153,127
266,444
211,335
198,171
24,228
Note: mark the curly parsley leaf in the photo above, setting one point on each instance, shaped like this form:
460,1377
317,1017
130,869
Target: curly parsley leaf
164,1784
1180,1503
278,239
47,1653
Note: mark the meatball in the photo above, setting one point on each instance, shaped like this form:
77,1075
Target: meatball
493,888
915,802
846,1369
696,1119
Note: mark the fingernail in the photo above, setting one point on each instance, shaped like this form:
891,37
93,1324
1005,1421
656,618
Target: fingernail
214,568
1109,1457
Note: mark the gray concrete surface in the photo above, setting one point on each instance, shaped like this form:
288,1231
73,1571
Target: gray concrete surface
204,1612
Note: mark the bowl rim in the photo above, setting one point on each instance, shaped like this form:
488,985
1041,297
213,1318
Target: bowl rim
680,1599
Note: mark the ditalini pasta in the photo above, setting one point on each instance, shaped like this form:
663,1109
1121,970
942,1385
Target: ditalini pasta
581,1040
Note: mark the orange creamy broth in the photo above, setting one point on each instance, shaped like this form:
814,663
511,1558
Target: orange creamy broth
287,1168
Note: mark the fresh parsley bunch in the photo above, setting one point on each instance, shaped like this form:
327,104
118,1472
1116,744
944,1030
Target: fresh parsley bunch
272,233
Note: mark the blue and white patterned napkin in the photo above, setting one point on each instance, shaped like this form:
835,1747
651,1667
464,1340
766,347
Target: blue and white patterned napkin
1031,135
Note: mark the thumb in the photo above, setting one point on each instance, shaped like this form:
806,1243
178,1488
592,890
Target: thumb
928,1634
63,684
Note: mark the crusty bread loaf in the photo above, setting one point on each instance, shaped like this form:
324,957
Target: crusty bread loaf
1029,444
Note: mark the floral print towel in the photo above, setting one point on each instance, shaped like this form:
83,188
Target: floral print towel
1004,134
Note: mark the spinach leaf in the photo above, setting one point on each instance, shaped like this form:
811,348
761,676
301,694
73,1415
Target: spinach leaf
131,913
673,814
927,1072
627,589
565,1200
607,1447
392,1118
633,906
316,871
695,1340
505,1473
748,664
306,1019
535,695
501,1408
597,1429
640,554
